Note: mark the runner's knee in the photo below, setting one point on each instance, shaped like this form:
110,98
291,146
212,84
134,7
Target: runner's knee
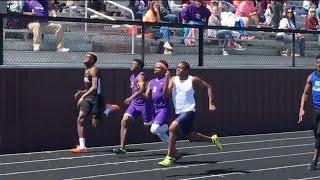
124,122
157,129
80,119
173,127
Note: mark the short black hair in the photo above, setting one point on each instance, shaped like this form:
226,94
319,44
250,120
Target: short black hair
164,62
141,63
94,57
318,57
185,64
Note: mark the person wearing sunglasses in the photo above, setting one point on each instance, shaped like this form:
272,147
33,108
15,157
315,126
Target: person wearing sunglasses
289,22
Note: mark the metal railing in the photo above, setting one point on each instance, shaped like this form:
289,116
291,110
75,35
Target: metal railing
100,14
132,18
200,46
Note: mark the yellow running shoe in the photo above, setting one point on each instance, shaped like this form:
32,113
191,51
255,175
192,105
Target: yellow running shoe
216,141
166,162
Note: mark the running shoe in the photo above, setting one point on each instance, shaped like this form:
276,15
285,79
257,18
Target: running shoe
79,150
119,150
166,162
216,141
313,165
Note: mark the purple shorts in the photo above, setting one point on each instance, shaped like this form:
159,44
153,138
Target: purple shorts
161,116
145,111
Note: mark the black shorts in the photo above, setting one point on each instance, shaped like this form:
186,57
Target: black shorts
316,127
93,105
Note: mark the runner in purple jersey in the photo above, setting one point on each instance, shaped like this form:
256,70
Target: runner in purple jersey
138,106
160,102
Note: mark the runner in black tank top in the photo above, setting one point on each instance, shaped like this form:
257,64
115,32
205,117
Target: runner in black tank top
93,103
91,100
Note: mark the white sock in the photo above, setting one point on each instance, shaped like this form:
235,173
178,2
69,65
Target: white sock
82,143
164,138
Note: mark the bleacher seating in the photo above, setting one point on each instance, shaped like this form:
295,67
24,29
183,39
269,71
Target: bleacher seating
107,39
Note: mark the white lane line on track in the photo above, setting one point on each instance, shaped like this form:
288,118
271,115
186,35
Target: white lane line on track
188,166
315,177
148,151
146,160
249,171
129,145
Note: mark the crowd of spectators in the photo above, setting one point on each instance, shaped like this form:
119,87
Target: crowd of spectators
278,14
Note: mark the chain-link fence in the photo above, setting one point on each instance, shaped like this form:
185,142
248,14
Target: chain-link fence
118,42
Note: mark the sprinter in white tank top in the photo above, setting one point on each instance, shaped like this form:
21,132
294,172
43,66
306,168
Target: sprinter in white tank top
182,86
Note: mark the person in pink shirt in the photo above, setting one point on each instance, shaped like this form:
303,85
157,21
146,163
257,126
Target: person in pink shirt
247,11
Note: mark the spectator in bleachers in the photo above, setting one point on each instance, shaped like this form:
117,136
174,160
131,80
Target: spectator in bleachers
209,4
175,8
288,22
97,5
276,10
268,16
236,3
305,8
247,11
226,35
262,6
231,20
138,7
318,12
225,6
41,8
311,22
153,15
195,13
14,6
165,12
185,3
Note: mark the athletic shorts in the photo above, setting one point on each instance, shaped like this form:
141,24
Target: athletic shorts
161,116
145,111
185,120
93,105
316,127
